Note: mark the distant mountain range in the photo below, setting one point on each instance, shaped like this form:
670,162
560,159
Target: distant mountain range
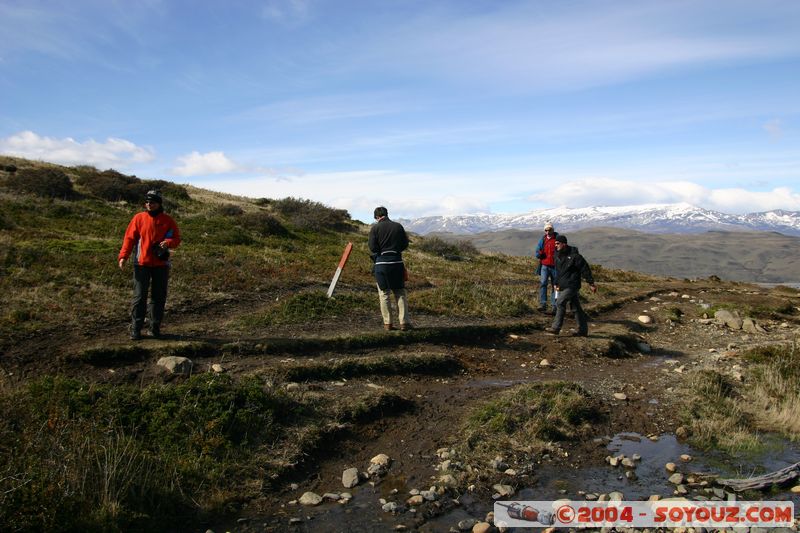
651,218
763,257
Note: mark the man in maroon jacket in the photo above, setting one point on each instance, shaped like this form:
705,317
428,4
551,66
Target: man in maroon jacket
149,237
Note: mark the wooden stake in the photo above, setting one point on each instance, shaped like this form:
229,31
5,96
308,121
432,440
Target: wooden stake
342,262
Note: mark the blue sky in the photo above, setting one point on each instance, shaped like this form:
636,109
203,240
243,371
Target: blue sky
427,107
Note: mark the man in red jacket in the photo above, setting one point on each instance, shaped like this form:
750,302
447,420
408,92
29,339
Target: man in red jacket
149,237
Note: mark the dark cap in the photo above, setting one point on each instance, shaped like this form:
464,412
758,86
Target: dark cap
153,196
561,238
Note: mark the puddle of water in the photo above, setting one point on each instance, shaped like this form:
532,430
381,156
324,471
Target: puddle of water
495,383
364,513
652,478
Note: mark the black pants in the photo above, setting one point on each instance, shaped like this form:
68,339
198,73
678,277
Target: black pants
570,296
143,278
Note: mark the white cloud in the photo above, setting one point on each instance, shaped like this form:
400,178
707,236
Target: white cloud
611,192
197,164
111,153
361,191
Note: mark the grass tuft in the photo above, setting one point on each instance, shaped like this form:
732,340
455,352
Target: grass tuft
523,420
433,364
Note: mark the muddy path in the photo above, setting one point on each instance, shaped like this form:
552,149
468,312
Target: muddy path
634,370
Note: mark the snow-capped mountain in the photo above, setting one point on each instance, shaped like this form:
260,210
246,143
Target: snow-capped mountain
655,218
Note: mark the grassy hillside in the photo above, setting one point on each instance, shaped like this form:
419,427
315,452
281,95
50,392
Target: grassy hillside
738,256
140,448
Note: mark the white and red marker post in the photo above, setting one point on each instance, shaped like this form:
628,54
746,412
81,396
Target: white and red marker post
342,262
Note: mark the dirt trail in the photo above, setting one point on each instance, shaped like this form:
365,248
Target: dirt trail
605,363
613,359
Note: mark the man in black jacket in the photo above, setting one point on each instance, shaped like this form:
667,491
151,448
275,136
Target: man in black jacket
570,268
387,240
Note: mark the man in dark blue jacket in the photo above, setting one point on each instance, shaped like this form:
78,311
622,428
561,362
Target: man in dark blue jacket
387,240
570,268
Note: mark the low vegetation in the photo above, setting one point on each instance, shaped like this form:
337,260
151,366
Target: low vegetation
450,250
526,419
349,367
725,414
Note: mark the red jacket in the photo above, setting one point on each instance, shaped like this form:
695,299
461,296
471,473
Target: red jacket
547,244
145,231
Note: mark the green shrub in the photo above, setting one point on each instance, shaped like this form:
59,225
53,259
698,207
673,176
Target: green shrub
110,185
231,237
264,224
306,214
45,182
82,457
456,250
115,187
229,210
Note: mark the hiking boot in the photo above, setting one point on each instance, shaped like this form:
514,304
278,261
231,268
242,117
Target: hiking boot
552,312
406,327
581,334
388,327
136,335
542,309
154,332
552,331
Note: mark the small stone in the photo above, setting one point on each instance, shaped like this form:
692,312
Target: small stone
681,432
544,363
620,396
467,524
390,507
380,459
686,457
498,464
310,498
448,480
615,496
510,472
670,467
331,496
176,365
415,500
645,319
628,463
482,527
795,489
217,368
429,495
293,521
676,478
291,386
503,490
350,478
